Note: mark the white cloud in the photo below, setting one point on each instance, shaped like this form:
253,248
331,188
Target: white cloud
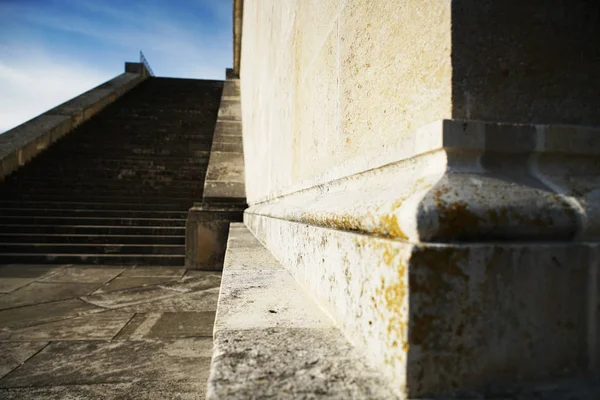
38,74
29,87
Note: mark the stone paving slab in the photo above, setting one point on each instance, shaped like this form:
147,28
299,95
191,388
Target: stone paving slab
83,275
8,285
45,312
12,354
89,362
103,325
40,292
180,390
205,300
26,271
104,332
144,294
128,282
154,272
127,297
170,325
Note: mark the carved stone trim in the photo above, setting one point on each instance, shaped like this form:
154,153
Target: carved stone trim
466,181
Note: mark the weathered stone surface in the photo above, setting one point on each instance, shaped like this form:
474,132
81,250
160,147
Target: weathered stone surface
21,144
127,297
7,285
126,282
289,363
225,172
160,390
69,363
437,318
263,298
145,272
46,312
228,167
206,235
461,182
204,300
83,275
39,292
169,325
272,340
547,78
98,326
145,294
13,354
194,273
27,271
100,353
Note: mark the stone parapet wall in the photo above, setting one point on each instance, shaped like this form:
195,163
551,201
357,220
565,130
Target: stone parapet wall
24,142
225,174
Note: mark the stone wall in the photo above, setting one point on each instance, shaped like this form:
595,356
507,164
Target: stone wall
24,142
330,80
336,83
429,172
526,61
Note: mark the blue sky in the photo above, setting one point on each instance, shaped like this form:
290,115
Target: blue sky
53,50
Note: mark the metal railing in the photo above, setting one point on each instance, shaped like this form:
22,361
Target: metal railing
144,61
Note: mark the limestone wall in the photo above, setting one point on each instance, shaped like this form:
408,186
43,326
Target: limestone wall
327,81
331,87
526,61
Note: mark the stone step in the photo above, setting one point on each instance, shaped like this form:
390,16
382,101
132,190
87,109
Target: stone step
117,189
57,212
100,163
90,238
91,229
109,159
125,185
111,175
261,306
90,205
100,221
91,191
165,152
91,248
98,259
183,202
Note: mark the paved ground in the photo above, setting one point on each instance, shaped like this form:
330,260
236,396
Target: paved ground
75,332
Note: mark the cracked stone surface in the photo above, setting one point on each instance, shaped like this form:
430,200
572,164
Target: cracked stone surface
71,332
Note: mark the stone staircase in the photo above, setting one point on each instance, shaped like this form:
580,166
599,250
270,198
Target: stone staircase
117,189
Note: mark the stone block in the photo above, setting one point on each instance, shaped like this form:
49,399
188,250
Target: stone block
453,318
272,340
225,167
230,110
206,236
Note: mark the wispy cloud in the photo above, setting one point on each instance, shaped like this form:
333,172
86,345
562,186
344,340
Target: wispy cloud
52,51
31,86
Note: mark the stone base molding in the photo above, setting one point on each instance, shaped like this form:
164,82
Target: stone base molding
468,263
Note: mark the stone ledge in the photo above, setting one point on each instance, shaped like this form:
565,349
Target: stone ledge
458,181
225,171
271,339
22,143
450,319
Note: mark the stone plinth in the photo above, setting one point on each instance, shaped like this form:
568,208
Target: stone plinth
206,233
467,264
